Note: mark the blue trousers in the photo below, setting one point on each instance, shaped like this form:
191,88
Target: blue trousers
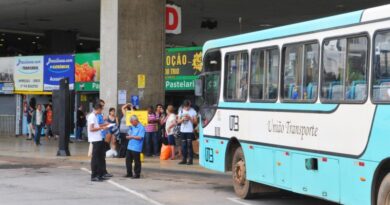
79,131
151,143
38,133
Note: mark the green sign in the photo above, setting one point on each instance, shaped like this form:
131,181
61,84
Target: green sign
180,83
87,86
182,65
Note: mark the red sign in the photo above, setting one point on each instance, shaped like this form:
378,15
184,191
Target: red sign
172,19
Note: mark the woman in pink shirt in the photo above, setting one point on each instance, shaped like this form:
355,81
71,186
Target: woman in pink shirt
151,138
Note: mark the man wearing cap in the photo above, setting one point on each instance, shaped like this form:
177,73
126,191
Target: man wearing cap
135,136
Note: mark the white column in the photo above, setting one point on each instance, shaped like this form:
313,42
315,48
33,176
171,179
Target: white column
109,52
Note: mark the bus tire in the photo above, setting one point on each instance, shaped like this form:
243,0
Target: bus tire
383,197
242,186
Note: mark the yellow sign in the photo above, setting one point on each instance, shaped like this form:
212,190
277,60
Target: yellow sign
141,114
141,81
83,98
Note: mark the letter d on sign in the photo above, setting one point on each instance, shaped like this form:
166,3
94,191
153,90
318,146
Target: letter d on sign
173,19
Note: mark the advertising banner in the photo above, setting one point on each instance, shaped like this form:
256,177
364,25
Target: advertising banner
87,68
7,75
182,66
28,73
57,67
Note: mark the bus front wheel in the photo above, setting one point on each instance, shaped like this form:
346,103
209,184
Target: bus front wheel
242,186
384,191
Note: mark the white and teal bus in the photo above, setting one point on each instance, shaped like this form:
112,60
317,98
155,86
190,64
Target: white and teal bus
303,107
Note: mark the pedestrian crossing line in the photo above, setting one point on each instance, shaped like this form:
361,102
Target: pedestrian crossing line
238,201
135,193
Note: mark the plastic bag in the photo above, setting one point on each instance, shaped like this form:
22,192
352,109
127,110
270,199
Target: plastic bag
111,153
165,152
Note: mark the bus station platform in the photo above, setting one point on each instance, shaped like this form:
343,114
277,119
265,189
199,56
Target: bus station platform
19,147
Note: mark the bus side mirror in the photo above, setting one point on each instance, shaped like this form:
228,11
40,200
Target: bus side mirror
198,87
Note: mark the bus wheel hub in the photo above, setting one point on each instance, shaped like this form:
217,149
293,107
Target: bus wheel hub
240,170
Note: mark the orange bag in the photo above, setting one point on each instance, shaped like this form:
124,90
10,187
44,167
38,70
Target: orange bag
165,152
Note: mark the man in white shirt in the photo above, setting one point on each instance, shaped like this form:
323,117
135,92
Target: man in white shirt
95,137
187,119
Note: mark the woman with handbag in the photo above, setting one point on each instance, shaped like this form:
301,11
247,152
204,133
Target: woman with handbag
170,123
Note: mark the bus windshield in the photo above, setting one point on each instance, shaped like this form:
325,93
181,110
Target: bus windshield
210,84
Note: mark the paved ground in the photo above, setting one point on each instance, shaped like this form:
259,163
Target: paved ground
30,175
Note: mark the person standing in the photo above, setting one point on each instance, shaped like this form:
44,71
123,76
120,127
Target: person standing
95,137
48,122
160,116
170,123
80,123
151,138
102,122
38,122
114,130
31,131
136,139
124,129
187,119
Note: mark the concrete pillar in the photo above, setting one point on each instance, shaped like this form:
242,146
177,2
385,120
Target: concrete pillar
132,43
109,52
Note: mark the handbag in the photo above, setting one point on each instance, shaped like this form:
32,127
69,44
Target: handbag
176,131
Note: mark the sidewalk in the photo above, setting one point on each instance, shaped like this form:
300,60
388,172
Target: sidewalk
21,148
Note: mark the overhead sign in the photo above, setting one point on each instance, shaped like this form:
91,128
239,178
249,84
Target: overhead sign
87,86
180,83
172,19
28,73
57,67
7,75
182,66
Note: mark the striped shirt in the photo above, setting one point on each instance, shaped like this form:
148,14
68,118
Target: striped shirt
151,127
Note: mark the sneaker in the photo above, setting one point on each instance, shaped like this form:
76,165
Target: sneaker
182,162
108,175
190,162
103,178
136,177
96,179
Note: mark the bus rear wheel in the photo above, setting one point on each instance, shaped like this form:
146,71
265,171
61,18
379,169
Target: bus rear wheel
242,186
384,191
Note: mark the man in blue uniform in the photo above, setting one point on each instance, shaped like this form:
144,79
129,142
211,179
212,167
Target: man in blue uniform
135,136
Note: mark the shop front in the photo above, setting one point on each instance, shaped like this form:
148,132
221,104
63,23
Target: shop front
182,67
7,99
87,77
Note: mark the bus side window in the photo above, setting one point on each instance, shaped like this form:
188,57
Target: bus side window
381,67
345,70
264,74
236,77
300,72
